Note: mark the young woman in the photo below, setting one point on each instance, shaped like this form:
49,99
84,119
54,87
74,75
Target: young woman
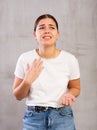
49,78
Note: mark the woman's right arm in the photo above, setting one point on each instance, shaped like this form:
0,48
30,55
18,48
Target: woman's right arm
21,87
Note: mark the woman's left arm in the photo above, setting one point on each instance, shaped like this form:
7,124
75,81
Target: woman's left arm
74,87
73,91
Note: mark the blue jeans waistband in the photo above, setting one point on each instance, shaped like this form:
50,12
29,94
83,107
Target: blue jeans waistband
39,108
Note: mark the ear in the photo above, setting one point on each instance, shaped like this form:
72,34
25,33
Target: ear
34,34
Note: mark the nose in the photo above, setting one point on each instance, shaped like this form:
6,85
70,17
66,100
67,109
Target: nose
47,30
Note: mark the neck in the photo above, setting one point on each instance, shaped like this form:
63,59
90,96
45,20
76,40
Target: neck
49,52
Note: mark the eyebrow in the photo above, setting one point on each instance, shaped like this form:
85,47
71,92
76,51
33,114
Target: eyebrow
44,25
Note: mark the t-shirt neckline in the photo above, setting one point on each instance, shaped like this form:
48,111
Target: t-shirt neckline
54,58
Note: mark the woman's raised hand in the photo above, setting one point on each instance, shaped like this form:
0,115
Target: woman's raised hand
33,71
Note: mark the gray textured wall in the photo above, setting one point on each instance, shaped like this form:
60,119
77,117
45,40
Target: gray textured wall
78,27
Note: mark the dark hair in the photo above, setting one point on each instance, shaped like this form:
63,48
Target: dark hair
43,17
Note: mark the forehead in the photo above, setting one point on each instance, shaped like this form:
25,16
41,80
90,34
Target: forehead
46,21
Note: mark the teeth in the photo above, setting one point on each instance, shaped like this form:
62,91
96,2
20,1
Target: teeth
47,37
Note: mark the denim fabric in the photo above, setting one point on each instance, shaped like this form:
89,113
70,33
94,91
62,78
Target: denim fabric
52,119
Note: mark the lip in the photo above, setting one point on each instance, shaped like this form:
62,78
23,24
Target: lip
47,37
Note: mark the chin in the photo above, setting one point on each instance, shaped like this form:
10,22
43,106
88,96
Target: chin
48,44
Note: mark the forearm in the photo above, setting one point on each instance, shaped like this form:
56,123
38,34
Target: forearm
74,91
74,87
22,87
22,90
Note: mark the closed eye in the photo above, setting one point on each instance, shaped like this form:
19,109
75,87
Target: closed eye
41,28
52,27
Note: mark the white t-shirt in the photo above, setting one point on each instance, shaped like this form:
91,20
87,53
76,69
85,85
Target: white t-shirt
52,83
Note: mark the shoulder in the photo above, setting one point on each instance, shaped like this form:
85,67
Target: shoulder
68,55
26,56
28,53
69,58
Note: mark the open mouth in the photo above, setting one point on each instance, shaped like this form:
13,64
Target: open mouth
47,37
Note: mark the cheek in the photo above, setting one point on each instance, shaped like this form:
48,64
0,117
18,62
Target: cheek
56,36
37,35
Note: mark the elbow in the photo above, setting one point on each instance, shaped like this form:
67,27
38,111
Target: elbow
17,96
78,92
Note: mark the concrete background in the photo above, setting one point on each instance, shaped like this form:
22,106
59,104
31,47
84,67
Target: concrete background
78,28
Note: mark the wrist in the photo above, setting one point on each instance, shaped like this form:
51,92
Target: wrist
27,82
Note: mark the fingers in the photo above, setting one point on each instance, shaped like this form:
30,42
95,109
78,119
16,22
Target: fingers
34,70
38,66
28,67
37,63
67,99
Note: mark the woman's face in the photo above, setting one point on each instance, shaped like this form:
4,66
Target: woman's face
46,32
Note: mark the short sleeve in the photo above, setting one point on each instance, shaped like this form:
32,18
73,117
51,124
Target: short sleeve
74,68
19,70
